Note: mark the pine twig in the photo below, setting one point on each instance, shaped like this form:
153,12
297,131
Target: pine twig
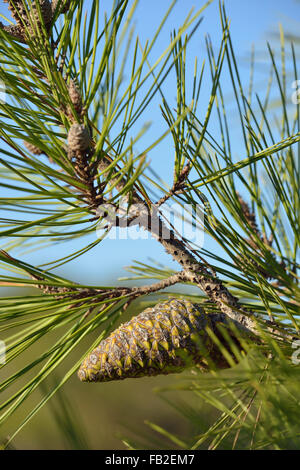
178,186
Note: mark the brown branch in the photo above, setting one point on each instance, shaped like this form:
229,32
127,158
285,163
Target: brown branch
196,272
131,292
78,293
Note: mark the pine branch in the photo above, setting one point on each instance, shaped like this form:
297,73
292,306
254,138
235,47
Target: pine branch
26,23
53,83
193,270
178,186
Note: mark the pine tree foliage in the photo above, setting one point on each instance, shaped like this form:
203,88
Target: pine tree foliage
69,147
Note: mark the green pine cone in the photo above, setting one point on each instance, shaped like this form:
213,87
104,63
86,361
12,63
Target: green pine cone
161,340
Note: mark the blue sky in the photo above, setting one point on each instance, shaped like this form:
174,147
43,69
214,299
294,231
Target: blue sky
252,22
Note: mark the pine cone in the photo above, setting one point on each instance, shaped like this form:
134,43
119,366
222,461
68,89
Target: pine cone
32,148
75,97
15,31
161,340
79,138
64,5
46,12
20,13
